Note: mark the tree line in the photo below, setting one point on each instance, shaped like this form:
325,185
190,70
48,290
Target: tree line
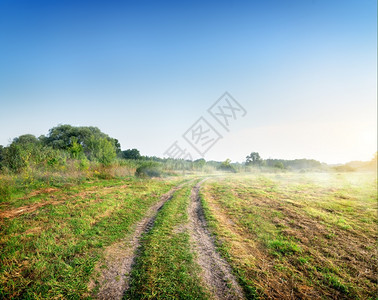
254,159
86,144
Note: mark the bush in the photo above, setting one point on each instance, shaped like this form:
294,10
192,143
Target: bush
102,174
226,166
75,148
148,169
5,191
53,158
82,164
15,158
279,165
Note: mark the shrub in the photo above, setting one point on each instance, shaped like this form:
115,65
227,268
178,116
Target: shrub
82,164
279,165
226,166
148,169
15,158
75,148
102,174
54,158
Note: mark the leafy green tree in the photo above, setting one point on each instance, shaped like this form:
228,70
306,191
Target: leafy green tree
226,166
199,163
101,150
64,136
26,140
131,154
117,146
254,159
22,152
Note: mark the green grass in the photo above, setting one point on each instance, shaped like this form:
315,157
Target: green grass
224,248
165,268
301,234
51,252
282,246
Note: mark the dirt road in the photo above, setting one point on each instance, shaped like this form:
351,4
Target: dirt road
216,272
113,279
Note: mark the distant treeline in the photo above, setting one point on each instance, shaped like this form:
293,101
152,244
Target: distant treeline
293,164
254,159
83,146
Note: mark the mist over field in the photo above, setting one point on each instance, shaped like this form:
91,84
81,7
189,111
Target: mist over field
188,150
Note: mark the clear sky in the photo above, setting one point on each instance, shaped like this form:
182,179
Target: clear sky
145,71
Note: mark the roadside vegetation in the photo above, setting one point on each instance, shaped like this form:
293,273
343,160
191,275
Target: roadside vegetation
295,235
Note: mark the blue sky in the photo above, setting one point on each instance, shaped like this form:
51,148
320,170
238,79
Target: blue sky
145,71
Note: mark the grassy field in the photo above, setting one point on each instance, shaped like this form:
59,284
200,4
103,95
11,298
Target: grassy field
285,236
298,235
50,251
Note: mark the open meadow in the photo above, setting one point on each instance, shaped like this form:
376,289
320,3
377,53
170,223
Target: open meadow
201,236
193,150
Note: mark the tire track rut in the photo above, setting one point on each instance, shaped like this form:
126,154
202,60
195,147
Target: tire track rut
114,279
216,272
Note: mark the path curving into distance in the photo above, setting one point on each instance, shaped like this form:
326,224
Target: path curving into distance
216,272
114,279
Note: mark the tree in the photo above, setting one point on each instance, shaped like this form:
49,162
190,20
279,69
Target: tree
26,140
117,146
101,150
66,136
23,151
226,166
254,159
131,154
199,163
